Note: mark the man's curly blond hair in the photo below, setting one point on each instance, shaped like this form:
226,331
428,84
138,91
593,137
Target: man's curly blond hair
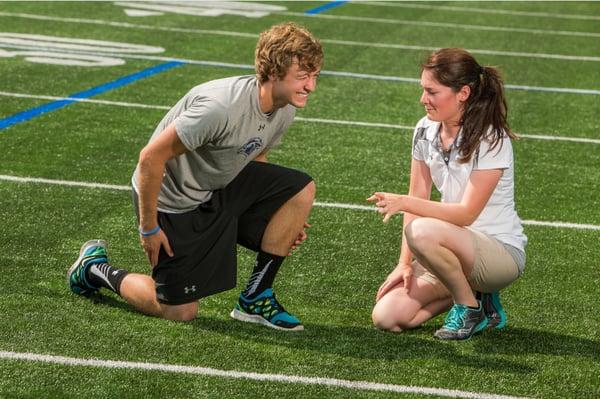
280,45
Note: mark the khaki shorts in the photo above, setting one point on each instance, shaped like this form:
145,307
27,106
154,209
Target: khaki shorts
493,270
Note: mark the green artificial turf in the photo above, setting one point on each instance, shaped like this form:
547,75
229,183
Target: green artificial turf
550,347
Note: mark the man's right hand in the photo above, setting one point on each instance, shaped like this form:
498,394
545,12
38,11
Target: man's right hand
152,244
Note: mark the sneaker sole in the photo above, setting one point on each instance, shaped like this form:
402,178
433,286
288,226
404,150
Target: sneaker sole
90,243
256,319
480,327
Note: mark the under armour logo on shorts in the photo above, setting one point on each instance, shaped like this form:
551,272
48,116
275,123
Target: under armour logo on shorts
190,289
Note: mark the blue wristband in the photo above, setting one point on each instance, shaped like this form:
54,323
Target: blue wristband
149,233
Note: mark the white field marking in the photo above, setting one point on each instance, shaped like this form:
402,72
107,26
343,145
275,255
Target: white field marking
58,58
564,90
559,138
565,225
66,43
206,8
565,57
297,118
351,123
84,100
141,13
412,128
64,183
441,24
125,24
338,205
481,10
204,4
278,378
415,80
345,206
57,45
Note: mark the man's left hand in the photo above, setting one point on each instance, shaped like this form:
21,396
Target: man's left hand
300,239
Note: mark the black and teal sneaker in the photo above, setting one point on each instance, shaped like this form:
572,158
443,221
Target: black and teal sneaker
92,252
493,310
462,322
265,310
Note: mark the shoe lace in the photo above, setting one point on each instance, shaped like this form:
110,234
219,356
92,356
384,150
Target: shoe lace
274,307
455,318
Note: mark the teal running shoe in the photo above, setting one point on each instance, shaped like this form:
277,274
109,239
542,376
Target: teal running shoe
462,322
92,252
265,310
493,310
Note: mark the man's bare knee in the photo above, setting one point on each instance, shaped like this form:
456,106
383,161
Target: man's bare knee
307,194
183,317
187,312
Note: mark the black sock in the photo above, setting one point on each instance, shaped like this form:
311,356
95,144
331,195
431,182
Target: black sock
104,275
263,274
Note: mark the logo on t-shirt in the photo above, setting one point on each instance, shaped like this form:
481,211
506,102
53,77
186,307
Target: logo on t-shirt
252,145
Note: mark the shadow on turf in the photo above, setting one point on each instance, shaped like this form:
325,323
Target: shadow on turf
369,343
523,340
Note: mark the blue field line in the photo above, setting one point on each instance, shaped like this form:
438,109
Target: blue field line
325,7
53,106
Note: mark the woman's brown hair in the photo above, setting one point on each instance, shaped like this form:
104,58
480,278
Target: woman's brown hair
485,111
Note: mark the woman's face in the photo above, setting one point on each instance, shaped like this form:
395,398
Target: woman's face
441,102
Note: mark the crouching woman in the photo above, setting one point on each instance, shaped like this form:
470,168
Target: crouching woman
459,253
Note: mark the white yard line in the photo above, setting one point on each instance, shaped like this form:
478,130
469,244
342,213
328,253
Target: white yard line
565,90
481,10
559,138
298,118
82,100
124,24
411,128
353,123
563,57
253,36
19,179
70,183
441,24
244,375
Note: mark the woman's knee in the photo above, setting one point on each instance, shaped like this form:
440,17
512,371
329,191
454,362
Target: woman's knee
422,233
391,317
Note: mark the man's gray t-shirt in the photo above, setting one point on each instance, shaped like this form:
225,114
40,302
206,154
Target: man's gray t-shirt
222,126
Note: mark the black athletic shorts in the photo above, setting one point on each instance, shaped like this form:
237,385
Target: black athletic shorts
204,240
